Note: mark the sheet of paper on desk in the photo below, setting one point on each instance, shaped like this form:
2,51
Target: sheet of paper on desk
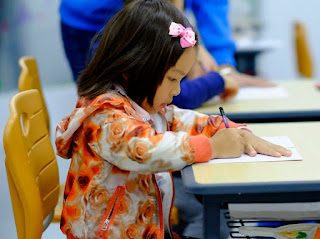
284,141
255,93
252,93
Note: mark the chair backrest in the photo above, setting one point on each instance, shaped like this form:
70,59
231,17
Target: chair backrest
303,54
29,79
31,166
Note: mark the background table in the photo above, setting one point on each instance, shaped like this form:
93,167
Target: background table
247,51
285,181
303,104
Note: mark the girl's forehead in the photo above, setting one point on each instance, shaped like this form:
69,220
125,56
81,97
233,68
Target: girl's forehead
186,61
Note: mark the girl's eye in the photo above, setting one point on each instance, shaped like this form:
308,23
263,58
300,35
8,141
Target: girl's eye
172,79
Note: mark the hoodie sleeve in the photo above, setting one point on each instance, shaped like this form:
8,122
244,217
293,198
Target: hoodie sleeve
195,123
133,145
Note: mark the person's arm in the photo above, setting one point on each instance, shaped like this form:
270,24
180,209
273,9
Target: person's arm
178,4
195,92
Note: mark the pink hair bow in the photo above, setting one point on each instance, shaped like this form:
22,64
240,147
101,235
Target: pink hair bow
187,35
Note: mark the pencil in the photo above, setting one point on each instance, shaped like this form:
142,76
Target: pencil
224,117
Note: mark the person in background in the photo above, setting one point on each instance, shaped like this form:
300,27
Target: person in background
81,20
123,138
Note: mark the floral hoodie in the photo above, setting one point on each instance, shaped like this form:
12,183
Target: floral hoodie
118,184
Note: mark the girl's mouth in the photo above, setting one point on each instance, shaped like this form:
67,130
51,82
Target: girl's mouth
163,105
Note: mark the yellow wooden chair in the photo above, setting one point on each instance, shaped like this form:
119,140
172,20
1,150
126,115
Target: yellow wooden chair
31,166
303,54
29,79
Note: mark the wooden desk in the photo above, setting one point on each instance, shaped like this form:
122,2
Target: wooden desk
303,104
285,181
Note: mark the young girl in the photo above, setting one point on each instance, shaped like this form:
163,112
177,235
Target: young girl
123,138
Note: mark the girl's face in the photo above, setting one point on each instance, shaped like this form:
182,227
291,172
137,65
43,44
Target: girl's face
170,85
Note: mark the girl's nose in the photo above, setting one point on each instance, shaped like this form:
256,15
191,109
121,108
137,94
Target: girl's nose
176,90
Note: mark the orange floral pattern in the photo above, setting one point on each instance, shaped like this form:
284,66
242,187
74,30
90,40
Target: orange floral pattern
131,232
139,150
110,146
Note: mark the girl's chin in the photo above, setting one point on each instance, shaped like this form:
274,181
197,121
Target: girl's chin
153,110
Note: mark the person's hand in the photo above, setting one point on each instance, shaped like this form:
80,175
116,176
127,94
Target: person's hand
244,79
254,145
231,88
248,80
231,143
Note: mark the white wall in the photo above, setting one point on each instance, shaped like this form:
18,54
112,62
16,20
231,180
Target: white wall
31,27
275,21
278,17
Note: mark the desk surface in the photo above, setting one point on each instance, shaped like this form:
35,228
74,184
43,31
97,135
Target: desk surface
302,104
263,176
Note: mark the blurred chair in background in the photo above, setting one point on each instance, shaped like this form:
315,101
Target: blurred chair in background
31,165
29,79
303,55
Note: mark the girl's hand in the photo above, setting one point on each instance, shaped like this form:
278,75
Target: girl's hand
231,143
227,143
254,145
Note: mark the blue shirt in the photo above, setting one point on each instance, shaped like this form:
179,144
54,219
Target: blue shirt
214,28
89,15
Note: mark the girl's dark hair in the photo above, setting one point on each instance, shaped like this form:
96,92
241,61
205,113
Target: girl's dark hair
134,44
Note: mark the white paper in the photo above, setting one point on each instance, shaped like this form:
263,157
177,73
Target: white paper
253,93
284,141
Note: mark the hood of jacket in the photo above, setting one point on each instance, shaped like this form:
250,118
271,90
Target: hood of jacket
85,108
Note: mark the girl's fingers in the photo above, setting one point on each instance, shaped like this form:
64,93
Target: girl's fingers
254,145
283,151
273,150
248,149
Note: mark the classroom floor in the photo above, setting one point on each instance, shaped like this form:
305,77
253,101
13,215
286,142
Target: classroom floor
60,102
